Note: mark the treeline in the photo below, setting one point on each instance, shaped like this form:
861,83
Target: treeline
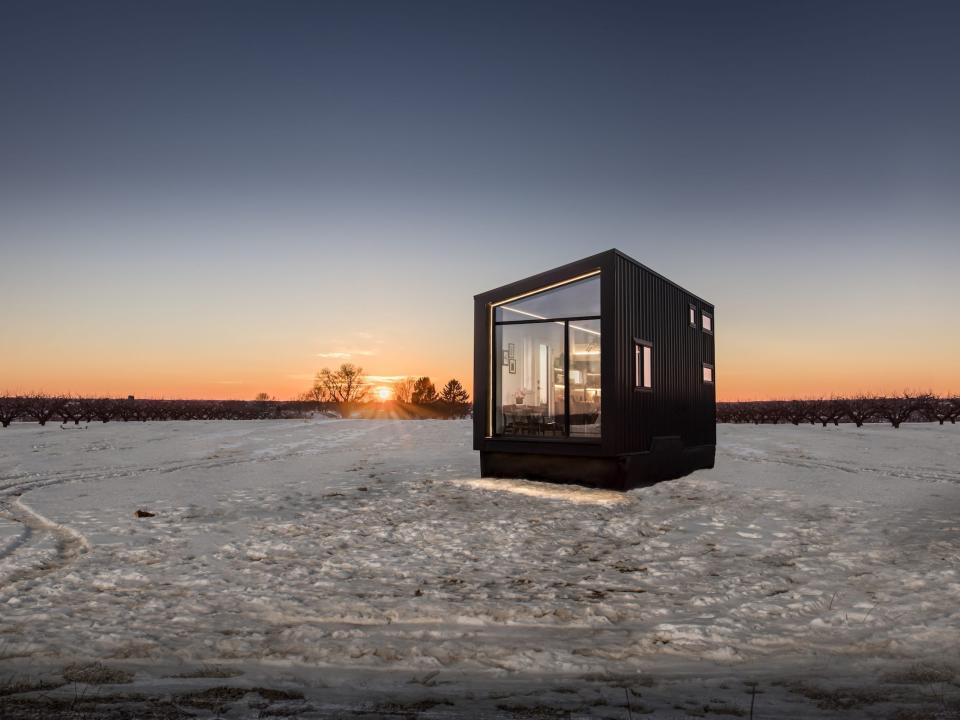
343,392
859,410
65,409
347,384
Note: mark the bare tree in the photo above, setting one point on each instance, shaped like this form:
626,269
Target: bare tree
125,409
345,384
317,393
141,410
955,401
43,407
403,389
795,411
824,411
71,410
897,410
770,412
859,409
103,409
10,409
941,409
86,407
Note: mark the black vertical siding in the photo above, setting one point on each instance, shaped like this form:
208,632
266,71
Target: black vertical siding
652,308
708,396
623,428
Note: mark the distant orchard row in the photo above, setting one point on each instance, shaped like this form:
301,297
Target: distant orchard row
858,410
46,408
824,411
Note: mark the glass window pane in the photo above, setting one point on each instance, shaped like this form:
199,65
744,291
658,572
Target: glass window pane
528,374
576,299
693,316
707,374
584,345
647,367
707,323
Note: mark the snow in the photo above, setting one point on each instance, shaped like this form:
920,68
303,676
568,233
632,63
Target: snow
363,563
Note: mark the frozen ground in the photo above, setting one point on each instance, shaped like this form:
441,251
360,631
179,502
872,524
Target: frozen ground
345,566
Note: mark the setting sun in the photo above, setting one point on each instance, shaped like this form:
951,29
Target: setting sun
383,393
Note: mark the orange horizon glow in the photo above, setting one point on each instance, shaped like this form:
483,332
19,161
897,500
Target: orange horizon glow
746,376
780,349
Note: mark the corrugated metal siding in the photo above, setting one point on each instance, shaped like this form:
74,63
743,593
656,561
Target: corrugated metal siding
653,309
708,398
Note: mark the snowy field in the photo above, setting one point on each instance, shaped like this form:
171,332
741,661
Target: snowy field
329,568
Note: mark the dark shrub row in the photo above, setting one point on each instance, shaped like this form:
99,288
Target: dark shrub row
46,408
65,409
858,410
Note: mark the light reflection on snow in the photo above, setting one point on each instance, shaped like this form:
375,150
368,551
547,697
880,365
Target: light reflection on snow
568,493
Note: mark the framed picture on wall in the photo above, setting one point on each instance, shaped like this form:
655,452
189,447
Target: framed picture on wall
513,366
506,357
511,350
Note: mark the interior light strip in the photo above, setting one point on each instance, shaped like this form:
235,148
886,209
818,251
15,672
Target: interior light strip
556,322
547,287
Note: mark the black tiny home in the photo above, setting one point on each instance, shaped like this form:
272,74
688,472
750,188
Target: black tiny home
600,372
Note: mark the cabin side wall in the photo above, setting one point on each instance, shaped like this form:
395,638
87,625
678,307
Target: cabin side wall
680,404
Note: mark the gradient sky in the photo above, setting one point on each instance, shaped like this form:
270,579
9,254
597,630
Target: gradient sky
216,199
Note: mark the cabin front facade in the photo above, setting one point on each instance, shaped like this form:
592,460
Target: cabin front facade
600,372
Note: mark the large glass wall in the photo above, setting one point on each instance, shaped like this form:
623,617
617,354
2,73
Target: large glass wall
547,363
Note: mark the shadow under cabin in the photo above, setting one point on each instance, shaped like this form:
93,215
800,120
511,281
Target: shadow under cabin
600,372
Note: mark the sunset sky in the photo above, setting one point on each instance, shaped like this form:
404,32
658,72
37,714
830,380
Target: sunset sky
206,199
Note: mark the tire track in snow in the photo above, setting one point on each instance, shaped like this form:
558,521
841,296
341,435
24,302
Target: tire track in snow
809,462
69,543
16,485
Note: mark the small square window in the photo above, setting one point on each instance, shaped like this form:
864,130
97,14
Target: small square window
707,322
707,373
643,365
693,316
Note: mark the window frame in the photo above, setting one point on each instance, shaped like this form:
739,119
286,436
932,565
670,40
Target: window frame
704,314
639,367
693,316
713,374
493,364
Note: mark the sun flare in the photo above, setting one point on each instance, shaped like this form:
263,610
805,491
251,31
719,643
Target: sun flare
383,393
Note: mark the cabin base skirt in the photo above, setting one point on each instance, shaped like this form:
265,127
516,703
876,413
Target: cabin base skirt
665,461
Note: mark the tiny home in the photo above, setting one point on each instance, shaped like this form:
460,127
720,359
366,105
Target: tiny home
600,372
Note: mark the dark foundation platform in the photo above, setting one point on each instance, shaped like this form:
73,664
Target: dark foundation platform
666,461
